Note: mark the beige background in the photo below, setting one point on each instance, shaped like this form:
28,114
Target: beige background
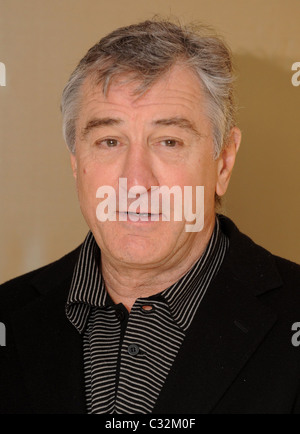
40,43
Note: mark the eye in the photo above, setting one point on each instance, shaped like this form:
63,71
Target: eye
109,143
170,143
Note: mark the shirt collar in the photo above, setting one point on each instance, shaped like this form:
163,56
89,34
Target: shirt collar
183,298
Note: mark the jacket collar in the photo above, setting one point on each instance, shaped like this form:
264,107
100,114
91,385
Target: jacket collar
248,262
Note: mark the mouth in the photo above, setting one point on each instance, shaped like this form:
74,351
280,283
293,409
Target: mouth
138,216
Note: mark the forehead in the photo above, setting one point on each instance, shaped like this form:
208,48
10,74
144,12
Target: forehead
177,90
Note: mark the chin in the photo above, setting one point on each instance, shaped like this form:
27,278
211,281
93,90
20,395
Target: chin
136,250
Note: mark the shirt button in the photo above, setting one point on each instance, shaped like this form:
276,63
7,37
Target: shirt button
147,308
133,349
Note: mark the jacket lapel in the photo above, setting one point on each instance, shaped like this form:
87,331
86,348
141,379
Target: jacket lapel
229,325
50,348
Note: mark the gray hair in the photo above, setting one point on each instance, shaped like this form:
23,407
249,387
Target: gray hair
144,52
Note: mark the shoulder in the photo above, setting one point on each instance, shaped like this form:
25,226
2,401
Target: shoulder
252,263
20,290
287,296
290,271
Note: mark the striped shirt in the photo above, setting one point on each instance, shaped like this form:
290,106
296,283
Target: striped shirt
127,357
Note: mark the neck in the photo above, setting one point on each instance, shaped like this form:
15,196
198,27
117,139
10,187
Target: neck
127,282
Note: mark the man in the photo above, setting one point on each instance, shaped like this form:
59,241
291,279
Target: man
149,314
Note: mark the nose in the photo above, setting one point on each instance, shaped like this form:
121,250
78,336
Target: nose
138,168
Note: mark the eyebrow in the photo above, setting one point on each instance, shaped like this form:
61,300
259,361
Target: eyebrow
179,122
174,121
98,123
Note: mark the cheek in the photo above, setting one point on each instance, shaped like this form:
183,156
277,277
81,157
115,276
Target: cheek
88,173
87,183
204,174
199,173
90,178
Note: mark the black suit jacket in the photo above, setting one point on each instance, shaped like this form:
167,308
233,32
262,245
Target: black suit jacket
237,357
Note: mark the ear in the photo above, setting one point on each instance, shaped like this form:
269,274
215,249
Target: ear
226,161
74,164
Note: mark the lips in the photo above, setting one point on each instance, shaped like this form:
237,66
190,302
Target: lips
139,216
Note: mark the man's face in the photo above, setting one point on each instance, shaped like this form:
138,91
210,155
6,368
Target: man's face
162,138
